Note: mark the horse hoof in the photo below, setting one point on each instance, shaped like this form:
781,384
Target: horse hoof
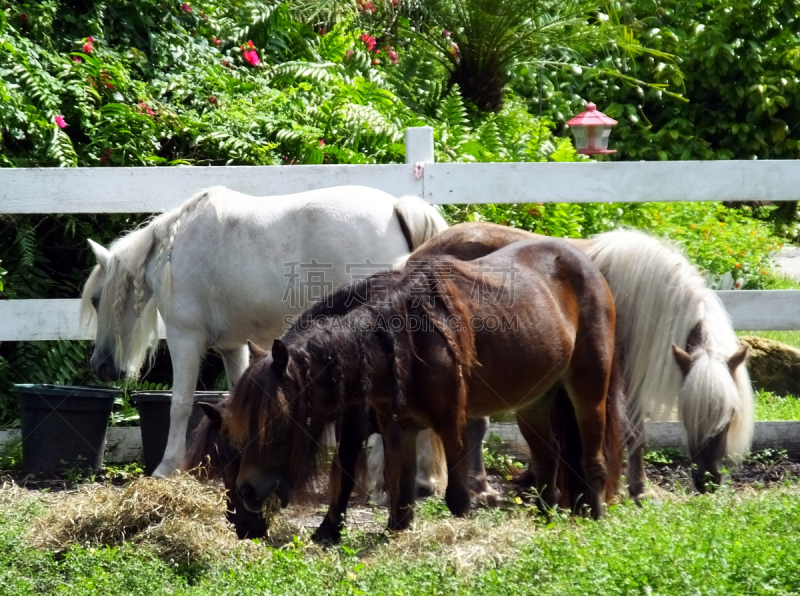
326,538
487,498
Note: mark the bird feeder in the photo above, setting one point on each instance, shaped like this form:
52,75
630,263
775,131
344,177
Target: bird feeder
591,130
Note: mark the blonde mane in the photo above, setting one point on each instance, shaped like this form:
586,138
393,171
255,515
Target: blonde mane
660,298
125,272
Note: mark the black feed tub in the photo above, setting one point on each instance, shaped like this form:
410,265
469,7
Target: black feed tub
153,409
63,426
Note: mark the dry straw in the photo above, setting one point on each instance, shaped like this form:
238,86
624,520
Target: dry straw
178,518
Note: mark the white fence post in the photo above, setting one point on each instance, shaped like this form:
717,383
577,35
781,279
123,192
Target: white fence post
419,144
419,151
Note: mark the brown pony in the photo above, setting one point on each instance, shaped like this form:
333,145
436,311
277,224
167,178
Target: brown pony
664,309
441,342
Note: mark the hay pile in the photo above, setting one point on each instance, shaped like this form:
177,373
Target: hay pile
180,519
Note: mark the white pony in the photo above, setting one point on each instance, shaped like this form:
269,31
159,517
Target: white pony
680,353
225,268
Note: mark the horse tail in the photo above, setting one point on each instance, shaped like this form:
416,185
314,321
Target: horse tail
431,463
419,220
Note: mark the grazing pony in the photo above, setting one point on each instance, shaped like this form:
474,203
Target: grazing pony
441,343
679,349
227,267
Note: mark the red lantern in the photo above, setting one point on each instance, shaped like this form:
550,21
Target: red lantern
591,130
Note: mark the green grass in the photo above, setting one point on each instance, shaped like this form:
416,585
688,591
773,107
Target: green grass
721,544
773,407
787,337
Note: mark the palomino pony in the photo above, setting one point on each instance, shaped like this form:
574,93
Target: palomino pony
678,346
424,355
226,267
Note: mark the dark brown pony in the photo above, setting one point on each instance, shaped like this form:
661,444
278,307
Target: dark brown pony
443,342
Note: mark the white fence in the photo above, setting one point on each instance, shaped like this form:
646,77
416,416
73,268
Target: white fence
149,190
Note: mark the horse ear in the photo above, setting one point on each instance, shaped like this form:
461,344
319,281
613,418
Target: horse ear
100,253
738,358
256,352
683,359
213,412
280,357
697,337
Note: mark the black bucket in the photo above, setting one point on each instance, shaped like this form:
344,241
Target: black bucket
63,426
153,409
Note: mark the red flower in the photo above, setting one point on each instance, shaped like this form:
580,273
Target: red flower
212,100
216,41
77,59
365,6
87,48
250,55
90,39
60,121
109,86
376,61
348,53
323,31
250,43
369,41
186,8
23,17
145,109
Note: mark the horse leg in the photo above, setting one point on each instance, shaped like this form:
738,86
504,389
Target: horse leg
235,361
343,480
635,441
482,492
534,424
587,393
456,444
376,481
186,354
401,513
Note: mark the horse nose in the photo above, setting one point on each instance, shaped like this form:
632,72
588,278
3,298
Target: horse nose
247,492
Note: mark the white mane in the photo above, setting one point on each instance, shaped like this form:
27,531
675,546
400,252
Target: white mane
125,272
650,319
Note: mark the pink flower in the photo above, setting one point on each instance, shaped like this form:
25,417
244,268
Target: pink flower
323,31
60,121
446,33
376,61
216,41
348,53
77,59
369,41
90,39
321,142
250,55
87,48
186,8
393,56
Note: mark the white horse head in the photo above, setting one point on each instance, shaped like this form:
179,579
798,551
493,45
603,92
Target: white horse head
715,415
120,304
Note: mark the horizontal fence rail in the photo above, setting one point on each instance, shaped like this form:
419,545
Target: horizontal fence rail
37,320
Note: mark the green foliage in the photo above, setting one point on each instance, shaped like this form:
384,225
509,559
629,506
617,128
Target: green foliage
11,457
776,407
735,63
497,460
664,456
